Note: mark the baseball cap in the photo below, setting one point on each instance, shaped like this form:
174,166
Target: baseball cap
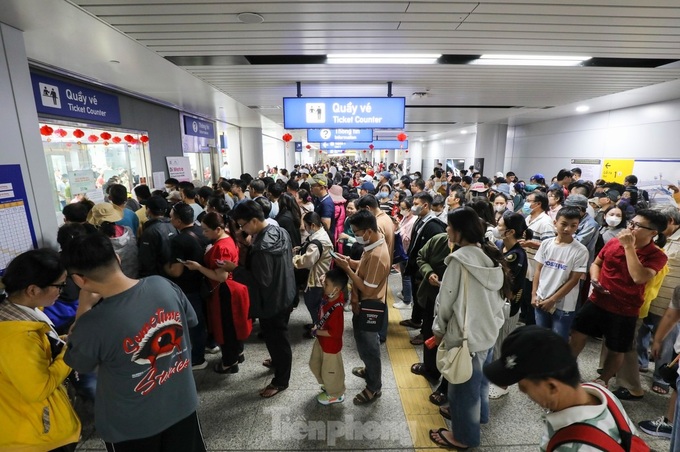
103,212
504,188
367,178
386,174
529,351
537,176
304,171
157,205
499,174
319,179
478,186
367,186
614,195
576,201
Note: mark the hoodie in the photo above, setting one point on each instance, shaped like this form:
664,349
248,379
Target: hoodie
484,300
268,273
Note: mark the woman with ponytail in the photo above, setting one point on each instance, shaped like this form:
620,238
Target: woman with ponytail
473,291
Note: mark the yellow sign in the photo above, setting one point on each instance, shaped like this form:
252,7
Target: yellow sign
617,170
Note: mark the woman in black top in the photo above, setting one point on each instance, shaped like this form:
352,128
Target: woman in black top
289,218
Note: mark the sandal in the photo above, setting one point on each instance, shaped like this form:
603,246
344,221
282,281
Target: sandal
271,390
359,372
220,369
624,394
365,397
441,441
438,398
445,412
659,389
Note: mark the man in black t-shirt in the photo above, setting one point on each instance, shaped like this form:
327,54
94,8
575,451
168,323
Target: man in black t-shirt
189,245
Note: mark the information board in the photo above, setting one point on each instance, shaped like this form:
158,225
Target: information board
179,168
54,97
617,170
17,233
323,135
343,112
378,145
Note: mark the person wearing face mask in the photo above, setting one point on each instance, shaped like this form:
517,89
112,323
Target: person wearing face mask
386,203
500,205
318,260
404,229
615,222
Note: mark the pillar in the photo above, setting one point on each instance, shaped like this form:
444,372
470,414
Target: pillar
289,156
19,119
490,145
252,151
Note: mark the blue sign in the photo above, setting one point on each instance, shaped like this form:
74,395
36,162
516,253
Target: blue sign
198,128
18,233
54,97
378,145
321,135
343,112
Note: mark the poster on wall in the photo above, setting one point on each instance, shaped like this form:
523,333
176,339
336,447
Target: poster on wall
17,233
479,165
617,170
179,168
158,180
591,169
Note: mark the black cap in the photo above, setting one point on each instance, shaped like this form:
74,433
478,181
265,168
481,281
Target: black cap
529,351
157,205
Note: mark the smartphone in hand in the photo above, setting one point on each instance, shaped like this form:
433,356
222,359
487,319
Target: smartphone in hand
335,255
181,261
599,288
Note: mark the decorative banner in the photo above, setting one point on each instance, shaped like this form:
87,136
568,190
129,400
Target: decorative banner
54,97
322,135
617,170
199,128
338,112
179,168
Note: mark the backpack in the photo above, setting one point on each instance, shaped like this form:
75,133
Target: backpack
587,434
302,274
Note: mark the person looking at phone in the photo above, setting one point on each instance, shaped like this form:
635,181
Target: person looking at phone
618,276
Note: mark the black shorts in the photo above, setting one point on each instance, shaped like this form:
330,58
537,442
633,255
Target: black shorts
618,330
184,436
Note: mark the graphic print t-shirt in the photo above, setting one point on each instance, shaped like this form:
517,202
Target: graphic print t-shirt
139,339
559,260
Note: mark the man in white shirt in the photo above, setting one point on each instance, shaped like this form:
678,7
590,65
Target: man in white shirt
225,171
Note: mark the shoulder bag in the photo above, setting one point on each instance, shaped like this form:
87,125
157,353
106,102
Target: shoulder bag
456,364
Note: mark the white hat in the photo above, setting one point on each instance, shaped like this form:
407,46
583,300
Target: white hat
499,174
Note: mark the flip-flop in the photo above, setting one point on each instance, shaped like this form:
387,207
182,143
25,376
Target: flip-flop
359,372
445,413
271,387
660,389
438,398
625,394
445,443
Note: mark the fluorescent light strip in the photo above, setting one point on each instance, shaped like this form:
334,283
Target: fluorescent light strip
394,58
530,60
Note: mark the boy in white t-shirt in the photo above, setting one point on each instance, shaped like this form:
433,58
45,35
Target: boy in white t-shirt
560,263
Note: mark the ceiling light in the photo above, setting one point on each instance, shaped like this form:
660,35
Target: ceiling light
389,58
250,18
582,108
464,132
530,60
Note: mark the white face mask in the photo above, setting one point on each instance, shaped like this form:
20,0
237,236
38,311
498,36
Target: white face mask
405,213
499,208
417,210
496,233
360,240
612,220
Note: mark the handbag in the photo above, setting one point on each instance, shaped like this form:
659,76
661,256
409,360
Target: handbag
371,315
456,364
399,254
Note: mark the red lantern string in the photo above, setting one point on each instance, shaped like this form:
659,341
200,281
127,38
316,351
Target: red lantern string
370,146
78,133
308,146
402,136
116,140
129,138
144,139
61,132
93,138
287,137
46,130
105,135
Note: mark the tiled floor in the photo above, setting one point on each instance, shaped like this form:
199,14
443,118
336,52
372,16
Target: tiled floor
235,418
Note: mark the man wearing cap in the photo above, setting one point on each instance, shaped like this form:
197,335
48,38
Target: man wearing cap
540,361
385,178
154,243
605,200
366,188
323,204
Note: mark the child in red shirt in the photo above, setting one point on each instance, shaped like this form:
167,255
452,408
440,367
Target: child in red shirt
326,359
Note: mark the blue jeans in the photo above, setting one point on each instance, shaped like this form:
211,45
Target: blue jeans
644,338
405,284
312,298
559,321
197,334
469,404
368,346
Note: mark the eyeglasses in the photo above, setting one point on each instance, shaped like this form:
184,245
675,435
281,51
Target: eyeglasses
61,286
636,225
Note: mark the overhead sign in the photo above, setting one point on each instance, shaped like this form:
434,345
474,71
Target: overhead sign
616,170
322,135
378,145
298,146
54,97
341,112
199,128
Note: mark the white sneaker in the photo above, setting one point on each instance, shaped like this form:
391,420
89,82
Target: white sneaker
201,366
212,351
401,305
496,392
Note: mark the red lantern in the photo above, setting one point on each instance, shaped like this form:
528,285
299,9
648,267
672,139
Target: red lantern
320,151
46,130
129,138
61,132
402,136
386,151
364,151
78,133
370,146
287,137
105,135
116,140
406,151
134,141
309,146
93,138
144,139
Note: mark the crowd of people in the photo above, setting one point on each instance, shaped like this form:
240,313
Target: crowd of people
144,287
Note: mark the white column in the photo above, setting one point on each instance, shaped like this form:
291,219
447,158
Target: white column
415,153
252,153
21,137
490,145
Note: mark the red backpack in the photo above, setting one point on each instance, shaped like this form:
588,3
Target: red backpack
594,437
